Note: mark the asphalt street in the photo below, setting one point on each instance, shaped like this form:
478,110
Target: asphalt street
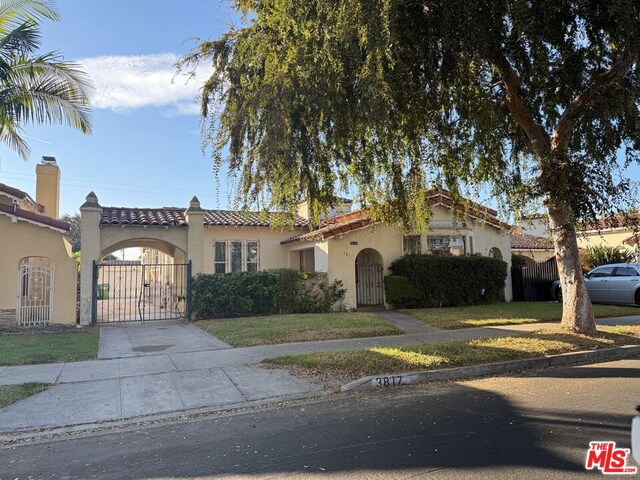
536,426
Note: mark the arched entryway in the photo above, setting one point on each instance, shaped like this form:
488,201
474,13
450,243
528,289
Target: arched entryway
369,278
35,291
150,285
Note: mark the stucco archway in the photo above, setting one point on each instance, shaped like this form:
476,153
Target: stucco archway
369,278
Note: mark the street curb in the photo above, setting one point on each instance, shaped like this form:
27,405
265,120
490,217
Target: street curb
399,379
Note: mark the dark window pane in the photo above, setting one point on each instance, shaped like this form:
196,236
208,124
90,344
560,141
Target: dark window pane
236,257
252,256
220,257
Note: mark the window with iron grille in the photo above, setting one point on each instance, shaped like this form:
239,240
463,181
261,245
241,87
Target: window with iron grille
411,244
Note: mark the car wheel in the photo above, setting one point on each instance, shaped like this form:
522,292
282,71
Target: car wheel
559,294
636,297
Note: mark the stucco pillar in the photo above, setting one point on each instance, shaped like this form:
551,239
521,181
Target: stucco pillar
195,236
90,213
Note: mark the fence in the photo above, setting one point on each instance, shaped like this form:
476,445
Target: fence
533,284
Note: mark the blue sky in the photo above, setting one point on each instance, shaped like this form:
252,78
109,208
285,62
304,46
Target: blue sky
146,146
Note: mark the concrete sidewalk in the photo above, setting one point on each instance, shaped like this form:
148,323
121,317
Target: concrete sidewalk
159,380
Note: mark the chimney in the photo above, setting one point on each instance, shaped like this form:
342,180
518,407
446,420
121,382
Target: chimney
48,186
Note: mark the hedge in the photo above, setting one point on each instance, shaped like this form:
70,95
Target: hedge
262,293
444,281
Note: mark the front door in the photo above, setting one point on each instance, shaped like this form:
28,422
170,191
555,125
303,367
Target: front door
369,284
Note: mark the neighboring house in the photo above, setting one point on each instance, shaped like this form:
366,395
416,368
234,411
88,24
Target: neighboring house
608,231
37,274
537,249
350,246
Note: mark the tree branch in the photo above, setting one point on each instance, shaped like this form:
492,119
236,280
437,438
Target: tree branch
521,113
593,93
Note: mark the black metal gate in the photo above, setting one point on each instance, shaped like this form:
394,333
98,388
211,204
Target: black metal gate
130,291
533,283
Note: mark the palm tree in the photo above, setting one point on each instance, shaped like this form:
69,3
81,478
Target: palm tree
36,88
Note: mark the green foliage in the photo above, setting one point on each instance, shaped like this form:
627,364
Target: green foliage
399,291
520,260
389,97
443,281
597,255
261,293
73,235
35,88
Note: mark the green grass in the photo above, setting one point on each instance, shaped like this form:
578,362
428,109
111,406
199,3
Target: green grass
512,313
379,361
31,348
12,393
251,331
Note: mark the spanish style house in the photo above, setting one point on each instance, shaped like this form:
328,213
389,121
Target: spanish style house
349,246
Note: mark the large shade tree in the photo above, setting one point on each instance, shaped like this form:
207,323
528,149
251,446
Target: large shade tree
538,98
35,88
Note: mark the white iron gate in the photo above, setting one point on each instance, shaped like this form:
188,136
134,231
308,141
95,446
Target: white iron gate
369,284
35,291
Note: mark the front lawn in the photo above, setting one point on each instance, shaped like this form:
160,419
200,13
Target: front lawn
34,347
12,393
512,313
350,365
307,327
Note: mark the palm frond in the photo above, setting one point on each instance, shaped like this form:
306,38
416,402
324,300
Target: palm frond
11,135
16,12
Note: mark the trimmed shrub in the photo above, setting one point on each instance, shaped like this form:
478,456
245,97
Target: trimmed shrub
443,281
262,293
399,291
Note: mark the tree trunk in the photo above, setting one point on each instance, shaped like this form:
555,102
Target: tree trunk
577,312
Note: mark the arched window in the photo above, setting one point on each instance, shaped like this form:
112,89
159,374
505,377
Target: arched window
495,253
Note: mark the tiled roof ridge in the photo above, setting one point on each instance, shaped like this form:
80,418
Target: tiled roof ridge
34,217
173,216
524,241
20,194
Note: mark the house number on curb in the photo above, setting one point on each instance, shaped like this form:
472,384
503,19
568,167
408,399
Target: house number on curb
393,381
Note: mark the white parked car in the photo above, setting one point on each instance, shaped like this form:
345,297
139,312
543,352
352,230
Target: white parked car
618,283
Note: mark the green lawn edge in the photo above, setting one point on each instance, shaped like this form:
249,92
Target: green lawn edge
506,313
37,348
294,328
12,393
350,365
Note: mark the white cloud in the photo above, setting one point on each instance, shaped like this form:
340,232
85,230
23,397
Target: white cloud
124,83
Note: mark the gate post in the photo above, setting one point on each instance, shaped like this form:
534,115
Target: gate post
195,235
90,212
188,300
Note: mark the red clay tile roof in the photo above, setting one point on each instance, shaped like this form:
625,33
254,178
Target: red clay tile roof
175,217
604,223
360,218
19,194
522,241
38,218
340,224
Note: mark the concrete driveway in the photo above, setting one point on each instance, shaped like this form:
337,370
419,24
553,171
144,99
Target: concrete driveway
153,338
142,370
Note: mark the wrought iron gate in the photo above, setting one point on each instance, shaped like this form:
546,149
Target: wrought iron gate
369,286
35,291
127,291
